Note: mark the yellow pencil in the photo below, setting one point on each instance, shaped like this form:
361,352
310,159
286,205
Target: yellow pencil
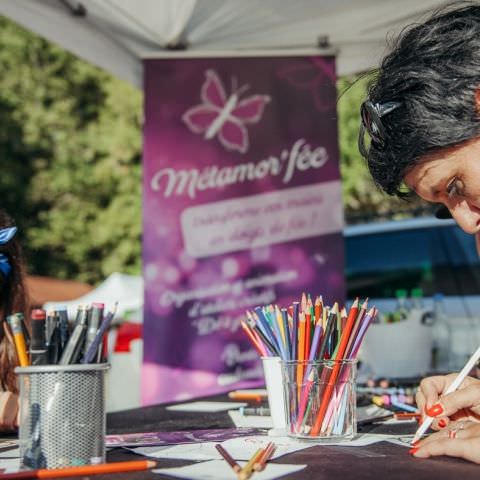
15,322
247,470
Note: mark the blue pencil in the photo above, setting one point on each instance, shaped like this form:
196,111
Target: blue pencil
296,307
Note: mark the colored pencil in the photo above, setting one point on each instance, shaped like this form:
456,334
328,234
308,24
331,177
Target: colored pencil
247,469
352,315
226,456
84,470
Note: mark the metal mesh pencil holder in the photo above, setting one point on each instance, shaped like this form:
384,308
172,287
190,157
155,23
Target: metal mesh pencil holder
62,415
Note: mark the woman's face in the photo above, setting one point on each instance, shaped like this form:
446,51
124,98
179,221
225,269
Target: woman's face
452,177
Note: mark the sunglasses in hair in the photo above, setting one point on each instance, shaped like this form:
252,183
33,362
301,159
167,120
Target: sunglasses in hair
371,115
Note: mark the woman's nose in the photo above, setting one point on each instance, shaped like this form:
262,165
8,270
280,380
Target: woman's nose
467,216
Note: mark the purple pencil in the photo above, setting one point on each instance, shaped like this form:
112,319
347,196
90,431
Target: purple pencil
362,330
317,335
93,349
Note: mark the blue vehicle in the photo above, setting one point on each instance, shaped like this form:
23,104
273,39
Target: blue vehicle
427,253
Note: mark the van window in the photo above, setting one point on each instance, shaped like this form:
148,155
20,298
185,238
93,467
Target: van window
436,259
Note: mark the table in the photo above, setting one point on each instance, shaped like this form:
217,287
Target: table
381,460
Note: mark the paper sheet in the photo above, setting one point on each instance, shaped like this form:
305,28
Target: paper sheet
10,465
10,453
243,448
220,470
206,406
239,448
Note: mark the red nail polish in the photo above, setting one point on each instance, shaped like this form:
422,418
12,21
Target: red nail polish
413,451
435,410
415,443
442,423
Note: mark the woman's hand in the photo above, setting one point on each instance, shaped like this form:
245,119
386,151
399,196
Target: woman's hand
8,411
460,439
463,404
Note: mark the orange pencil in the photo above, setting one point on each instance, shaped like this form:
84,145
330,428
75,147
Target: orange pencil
83,470
254,338
300,350
254,395
352,315
318,308
268,451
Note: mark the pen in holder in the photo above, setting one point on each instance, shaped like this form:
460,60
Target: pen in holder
62,415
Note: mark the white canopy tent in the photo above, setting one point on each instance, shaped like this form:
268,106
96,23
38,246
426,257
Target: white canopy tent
117,34
126,290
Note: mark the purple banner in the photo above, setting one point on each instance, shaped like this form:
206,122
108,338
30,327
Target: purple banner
242,207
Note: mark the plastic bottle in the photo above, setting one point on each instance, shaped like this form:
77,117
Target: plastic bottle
441,335
416,295
401,312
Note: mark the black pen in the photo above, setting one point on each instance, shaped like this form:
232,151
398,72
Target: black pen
94,321
63,326
38,344
53,337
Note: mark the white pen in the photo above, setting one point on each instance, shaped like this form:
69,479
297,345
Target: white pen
453,386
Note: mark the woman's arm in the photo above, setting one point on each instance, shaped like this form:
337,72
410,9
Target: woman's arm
8,411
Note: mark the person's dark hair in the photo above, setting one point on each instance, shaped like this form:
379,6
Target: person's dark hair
13,298
433,71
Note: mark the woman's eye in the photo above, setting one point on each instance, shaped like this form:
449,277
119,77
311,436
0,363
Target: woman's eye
454,188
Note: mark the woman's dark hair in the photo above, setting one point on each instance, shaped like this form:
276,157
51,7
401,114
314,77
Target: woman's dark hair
433,71
13,299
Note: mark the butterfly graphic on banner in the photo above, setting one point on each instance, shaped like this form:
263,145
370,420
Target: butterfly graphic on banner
315,76
225,117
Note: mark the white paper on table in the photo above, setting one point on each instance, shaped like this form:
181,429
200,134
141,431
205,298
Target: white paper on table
12,453
10,465
206,406
220,470
250,421
243,448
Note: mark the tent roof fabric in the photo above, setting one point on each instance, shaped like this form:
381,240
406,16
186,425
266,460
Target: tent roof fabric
117,34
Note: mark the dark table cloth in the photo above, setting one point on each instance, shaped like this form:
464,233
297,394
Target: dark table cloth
382,460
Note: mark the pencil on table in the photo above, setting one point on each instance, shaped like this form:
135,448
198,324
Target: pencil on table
247,470
226,456
83,470
261,462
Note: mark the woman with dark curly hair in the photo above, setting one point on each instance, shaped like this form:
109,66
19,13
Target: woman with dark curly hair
13,299
422,117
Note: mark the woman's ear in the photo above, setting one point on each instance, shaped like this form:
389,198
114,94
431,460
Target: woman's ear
477,99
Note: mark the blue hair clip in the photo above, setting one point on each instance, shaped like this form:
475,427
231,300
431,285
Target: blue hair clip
6,234
5,267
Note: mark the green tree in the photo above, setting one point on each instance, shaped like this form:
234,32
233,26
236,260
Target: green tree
70,145
362,199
